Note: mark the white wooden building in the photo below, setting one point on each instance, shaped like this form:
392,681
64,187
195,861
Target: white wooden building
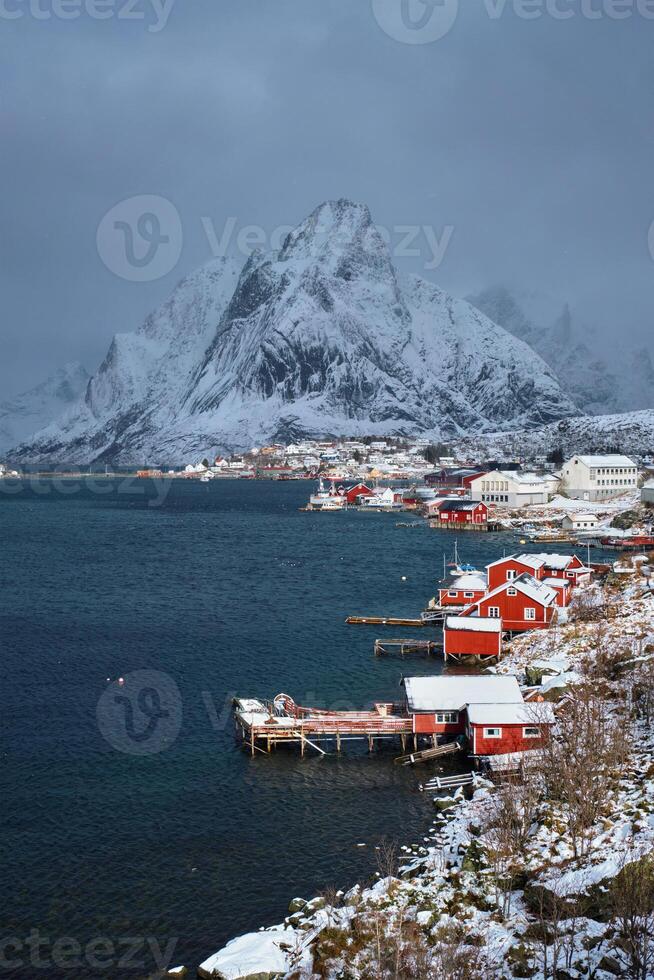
580,522
598,477
511,488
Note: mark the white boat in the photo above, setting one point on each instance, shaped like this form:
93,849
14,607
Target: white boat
326,498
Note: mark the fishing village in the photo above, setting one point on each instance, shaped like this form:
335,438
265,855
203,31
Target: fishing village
531,737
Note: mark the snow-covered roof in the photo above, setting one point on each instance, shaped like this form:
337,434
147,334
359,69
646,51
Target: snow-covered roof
534,589
459,505
523,477
552,561
476,624
470,583
611,460
557,583
516,713
454,692
531,561
527,585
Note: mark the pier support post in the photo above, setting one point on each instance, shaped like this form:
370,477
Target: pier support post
370,743
403,742
338,741
415,743
252,741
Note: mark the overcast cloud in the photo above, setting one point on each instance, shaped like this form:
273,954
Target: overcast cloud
526,146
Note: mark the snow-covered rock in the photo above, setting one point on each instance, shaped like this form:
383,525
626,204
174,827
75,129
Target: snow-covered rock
255,954
320,338
628,432
31,410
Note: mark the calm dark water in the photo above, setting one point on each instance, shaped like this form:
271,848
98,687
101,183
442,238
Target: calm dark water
224,589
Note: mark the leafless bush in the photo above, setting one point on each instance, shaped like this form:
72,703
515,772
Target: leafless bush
591,606
607,657
512,812
454,958
581,761
632,904
642,691
387,860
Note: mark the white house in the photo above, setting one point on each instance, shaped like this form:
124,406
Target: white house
598,477
647,493
580,522
510,488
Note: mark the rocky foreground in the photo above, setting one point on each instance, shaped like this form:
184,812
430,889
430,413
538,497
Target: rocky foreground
548,873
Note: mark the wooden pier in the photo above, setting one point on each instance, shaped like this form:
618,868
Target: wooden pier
265,724
406,647
385,621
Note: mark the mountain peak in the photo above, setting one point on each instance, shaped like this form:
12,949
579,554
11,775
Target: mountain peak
317,338
333,229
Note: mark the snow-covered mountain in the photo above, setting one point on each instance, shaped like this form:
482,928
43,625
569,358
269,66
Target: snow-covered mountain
574,352
31,410
320,338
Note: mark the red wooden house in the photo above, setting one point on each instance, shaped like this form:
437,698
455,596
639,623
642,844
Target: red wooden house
463,590
522,604
512,566
496,729
353,494
568,567
563,589
438,704
455,513
472,636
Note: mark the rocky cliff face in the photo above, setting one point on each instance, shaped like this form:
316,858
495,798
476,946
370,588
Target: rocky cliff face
320,338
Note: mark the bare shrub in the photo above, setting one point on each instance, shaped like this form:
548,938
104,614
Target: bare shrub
581,762
453,957
511,814
642,691
632,905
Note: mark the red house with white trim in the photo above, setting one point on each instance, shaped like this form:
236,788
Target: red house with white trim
496,729
563,589
353,494
454,513
512,566
568,567
472,636
522,603
463,590
438,704
488,709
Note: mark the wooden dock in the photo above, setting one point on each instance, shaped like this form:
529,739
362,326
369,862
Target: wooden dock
384,621
406,647
426,755
265,724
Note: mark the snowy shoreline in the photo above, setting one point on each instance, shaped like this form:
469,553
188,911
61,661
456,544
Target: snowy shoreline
449,901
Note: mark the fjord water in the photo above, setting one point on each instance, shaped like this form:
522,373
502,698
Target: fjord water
224,588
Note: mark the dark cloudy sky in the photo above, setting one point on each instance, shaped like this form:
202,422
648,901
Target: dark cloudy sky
527,131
